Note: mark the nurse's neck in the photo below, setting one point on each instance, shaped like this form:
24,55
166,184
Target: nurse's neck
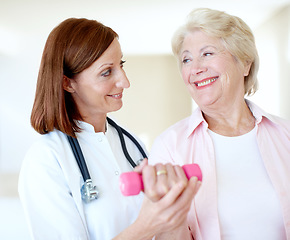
98,122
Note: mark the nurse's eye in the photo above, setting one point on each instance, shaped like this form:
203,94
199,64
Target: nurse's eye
122,63
106,73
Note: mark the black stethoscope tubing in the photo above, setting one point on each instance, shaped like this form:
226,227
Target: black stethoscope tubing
75,146
80,157
122,131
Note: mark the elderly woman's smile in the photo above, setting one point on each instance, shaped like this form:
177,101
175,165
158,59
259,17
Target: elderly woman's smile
205,82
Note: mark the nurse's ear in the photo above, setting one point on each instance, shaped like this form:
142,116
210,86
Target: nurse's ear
67,84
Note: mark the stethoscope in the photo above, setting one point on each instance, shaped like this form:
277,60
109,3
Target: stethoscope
89,191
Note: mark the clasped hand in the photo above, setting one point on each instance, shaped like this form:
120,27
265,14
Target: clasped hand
168,196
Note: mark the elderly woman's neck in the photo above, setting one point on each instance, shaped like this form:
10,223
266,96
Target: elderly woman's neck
230,122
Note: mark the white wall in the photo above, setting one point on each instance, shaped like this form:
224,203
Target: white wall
157,97
273,43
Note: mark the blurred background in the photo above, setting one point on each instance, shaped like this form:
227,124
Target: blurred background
157,97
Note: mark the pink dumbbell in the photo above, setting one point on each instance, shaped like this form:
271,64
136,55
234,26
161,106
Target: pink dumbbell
131,183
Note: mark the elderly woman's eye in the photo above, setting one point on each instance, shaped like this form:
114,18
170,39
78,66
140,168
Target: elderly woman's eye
207,54
185,60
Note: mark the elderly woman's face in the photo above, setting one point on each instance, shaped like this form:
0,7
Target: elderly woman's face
211,74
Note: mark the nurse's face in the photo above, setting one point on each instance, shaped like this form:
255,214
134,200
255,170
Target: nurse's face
211,74
98,89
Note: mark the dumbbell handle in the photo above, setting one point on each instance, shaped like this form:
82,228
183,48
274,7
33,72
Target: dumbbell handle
131,183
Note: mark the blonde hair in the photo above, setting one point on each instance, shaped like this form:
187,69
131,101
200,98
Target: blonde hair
235,34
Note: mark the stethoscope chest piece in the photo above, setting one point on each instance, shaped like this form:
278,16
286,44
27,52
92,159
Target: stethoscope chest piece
89,192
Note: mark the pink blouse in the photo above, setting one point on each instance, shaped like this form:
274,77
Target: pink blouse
188,141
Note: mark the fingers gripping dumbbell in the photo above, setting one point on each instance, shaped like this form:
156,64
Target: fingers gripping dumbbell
131,183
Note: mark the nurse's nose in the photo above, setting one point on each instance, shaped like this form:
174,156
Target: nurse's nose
122,81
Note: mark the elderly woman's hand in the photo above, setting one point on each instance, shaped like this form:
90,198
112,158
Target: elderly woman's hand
168,197
159,179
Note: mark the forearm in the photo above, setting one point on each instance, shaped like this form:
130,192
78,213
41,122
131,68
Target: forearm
135,231
179,233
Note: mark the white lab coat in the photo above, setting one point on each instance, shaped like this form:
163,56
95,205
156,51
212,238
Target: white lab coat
50,182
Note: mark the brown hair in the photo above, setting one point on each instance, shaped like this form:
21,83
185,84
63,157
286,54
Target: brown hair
70,48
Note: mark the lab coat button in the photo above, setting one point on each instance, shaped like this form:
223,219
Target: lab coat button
116,173
100,139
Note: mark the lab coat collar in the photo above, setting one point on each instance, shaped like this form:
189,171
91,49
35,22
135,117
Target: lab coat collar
89,128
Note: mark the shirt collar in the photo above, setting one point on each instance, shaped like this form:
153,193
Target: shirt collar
197,119
259,113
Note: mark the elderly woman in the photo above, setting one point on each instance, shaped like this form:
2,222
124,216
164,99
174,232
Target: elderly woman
243,151
81,79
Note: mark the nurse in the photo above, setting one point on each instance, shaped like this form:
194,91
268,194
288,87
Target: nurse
81,79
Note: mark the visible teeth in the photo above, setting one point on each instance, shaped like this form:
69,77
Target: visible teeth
116,95
206,82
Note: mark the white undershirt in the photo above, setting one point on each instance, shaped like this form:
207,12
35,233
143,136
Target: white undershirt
248,206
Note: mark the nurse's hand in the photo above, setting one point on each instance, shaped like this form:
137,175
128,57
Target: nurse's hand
140,167
168,197
169,213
